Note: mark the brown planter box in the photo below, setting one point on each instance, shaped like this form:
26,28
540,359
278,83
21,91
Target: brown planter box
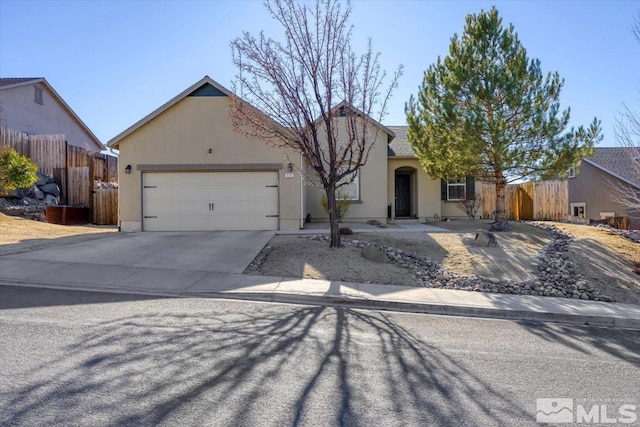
67,215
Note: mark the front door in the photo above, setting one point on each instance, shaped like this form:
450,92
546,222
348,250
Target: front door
403,195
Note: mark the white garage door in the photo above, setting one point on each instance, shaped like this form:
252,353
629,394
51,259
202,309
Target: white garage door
198,201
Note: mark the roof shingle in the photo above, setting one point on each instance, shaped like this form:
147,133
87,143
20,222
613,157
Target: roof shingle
622,161
6,81
400,146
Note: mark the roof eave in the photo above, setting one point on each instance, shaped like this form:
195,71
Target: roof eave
115,141
62,102
403,157
612,173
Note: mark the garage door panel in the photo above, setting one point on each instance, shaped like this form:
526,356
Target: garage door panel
185,201
269,193
221,194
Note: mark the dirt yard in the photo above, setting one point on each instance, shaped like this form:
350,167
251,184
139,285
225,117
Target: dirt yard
21,235
603,259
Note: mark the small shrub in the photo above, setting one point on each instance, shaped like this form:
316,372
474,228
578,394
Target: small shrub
471,206
345,231
342,205
16,171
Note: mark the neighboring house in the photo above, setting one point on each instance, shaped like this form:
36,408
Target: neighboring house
183,167
32,106
591,186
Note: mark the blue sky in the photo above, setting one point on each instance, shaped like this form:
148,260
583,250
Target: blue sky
116,61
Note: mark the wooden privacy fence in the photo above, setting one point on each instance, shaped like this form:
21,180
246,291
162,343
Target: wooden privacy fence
534,200
74,168
105,206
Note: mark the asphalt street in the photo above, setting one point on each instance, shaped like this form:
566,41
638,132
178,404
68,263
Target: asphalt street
93,359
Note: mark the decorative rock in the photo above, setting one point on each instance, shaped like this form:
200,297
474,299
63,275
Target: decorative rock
373,253
50,200
51,188
499,225
373,222
556,275
42,179
345,231
485,238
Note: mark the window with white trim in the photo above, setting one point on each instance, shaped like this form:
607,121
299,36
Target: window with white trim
572,172
351,190
579,209
456,189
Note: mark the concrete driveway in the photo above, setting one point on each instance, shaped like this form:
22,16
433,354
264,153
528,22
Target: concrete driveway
220,251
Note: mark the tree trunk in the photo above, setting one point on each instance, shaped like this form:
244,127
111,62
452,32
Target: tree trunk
333,216
501,185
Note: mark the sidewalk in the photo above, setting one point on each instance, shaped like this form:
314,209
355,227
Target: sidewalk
190,283
356,227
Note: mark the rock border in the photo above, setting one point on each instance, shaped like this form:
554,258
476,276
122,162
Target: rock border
556,275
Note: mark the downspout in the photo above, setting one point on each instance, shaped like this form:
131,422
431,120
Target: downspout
301,193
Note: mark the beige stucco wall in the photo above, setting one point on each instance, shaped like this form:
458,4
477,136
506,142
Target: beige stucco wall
452,211
183,135
426,197
372,180
21,113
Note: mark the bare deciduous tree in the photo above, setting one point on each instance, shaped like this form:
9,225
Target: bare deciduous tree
288,92
628,137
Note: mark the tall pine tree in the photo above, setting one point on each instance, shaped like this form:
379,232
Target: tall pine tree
487,110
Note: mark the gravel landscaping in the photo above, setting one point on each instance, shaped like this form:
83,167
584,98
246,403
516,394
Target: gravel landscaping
533,259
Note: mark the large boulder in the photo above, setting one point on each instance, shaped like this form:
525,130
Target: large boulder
485,238
50,200
345,231
18,194
375,254
51,188
499,225
31,191
42,179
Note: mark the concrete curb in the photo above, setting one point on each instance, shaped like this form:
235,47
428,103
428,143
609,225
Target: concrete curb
431,308
361,303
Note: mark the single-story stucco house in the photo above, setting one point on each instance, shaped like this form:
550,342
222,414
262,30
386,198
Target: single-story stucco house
183,167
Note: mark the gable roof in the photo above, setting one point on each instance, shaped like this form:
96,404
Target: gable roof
208,87
11,82
376,123
400,146
620,162
196,89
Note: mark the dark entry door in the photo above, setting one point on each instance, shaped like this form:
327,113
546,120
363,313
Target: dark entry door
403,195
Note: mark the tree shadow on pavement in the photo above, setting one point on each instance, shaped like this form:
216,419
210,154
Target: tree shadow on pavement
625,346
306,365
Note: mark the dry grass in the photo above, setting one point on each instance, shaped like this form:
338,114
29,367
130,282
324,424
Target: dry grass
605,260
20,235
